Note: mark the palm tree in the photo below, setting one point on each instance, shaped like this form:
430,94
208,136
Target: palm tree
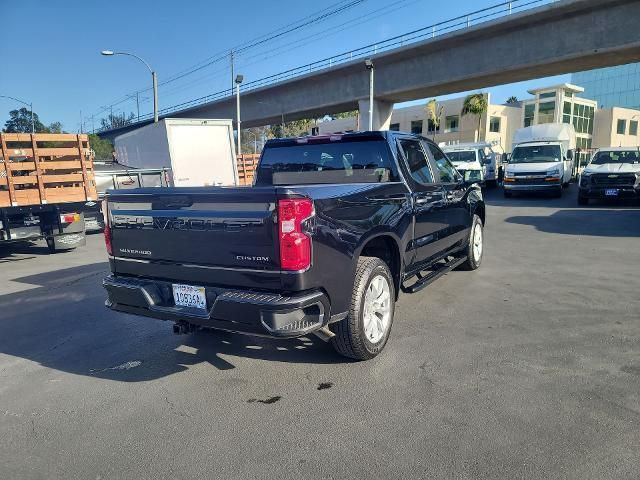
475,104
434,115
512,99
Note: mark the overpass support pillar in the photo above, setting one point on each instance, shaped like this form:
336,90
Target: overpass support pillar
381,114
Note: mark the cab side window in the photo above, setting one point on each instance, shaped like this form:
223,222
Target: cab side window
447,172
416,161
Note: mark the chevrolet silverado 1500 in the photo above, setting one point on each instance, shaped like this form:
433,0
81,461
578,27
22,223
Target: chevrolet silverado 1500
332,230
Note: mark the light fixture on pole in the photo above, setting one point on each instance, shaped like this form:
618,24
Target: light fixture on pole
154,78
30,105
369,64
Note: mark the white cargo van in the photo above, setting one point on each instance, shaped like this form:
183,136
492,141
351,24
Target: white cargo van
198,152
477,157
541,160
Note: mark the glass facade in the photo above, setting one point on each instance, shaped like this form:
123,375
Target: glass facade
546,112
611,87
494,124
583,118
451,124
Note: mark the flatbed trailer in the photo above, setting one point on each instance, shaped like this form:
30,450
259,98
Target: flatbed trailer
46,182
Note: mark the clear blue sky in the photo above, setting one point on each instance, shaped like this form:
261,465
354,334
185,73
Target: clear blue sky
50,50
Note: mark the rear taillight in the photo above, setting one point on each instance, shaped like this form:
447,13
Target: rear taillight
295,243
107,228
69,217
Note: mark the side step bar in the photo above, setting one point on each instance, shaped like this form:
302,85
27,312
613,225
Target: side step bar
439,270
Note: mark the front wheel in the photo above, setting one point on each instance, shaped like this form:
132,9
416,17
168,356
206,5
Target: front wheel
475,245
364,332
582,200
507,194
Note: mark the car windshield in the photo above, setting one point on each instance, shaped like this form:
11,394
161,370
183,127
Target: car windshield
462,156
336,162
627,156
536,154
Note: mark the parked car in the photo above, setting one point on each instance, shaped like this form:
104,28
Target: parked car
478,158
541,160
333,229
611,173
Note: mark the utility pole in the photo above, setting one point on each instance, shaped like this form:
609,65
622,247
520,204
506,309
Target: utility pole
233,78
138,105
238,81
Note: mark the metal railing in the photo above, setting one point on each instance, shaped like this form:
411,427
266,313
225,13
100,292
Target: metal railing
435,30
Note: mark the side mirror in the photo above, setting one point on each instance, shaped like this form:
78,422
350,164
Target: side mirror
570,154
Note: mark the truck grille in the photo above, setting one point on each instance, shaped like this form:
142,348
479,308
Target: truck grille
529,181
604,179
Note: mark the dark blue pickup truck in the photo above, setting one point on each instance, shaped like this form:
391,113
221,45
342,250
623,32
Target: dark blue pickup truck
332,230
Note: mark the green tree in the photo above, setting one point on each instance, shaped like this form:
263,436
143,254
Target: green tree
55,127
475,104
101,147
116,121
297,128
253,139
351,114
435,112
512,99
20,122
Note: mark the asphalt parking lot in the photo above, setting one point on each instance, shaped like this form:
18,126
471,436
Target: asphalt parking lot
526,368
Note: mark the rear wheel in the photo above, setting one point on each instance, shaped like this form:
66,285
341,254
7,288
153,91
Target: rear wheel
475,245
364,332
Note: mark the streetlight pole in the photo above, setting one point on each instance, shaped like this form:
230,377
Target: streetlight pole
30,105
239,79
154,78
369,64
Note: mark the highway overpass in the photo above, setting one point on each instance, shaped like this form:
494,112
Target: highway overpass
562,37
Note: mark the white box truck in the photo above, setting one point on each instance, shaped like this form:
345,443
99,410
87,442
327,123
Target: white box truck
541,160
198,152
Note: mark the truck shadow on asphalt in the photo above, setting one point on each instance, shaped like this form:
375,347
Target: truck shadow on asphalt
600,222
60,322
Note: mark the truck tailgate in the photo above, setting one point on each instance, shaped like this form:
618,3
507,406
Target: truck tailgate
198,235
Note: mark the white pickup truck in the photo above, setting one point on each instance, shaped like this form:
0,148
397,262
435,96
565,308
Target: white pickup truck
612,173
542,159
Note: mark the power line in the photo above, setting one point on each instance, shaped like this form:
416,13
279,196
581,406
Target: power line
318,16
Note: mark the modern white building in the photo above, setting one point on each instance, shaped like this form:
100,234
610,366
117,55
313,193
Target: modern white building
496,126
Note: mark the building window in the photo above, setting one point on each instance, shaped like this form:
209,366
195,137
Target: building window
633,128
622,127
546,112
548,95
451,124
494,124
566,113
394,127
583,118
416,127
431,127
529,112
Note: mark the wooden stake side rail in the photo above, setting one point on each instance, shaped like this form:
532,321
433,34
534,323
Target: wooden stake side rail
247,165
45,168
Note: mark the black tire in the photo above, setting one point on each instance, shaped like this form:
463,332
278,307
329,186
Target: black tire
582,200
557,193
507,194
350,339
474,260
51,244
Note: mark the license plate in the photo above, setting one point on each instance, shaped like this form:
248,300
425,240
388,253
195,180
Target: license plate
611,192
189,296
